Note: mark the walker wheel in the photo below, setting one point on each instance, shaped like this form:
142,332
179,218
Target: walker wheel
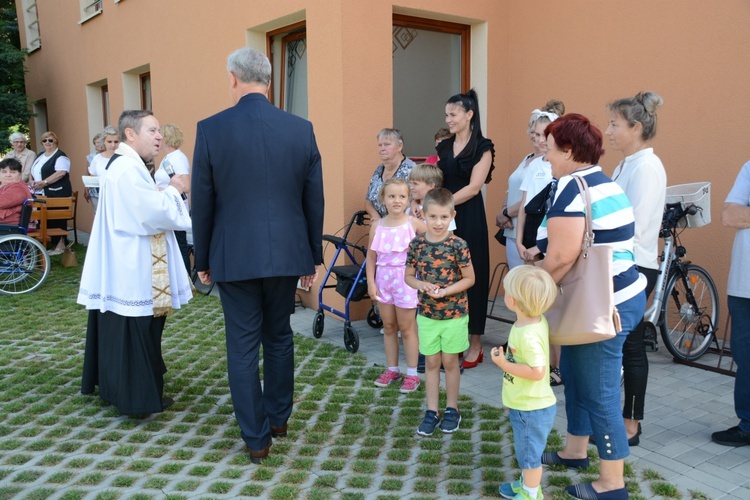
317,327
351,338
373,318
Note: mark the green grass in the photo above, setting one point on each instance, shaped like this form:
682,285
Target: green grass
347,439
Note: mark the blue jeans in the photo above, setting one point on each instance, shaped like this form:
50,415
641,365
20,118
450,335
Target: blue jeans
530,431
592,385
739,309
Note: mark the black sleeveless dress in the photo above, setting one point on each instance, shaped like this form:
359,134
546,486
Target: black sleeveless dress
471,223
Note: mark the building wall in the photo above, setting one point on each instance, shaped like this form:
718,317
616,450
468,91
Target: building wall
584,52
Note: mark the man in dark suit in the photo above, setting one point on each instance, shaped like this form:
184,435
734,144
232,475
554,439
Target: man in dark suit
257,198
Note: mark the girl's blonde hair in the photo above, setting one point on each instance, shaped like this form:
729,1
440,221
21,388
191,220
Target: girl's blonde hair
532,288
393,181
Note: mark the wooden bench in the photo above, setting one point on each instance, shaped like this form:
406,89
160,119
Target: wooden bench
46,209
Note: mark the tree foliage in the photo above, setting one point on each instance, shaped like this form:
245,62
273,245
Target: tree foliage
14,107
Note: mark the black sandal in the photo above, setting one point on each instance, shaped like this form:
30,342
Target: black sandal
555,378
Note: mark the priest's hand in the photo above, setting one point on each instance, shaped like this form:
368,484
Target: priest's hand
180,182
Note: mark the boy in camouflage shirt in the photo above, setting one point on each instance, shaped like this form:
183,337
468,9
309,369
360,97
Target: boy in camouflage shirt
438,265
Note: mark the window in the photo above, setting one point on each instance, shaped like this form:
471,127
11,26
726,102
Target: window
136,87
28,16
97,106
105,105
89,9
430,64
288,55
145,80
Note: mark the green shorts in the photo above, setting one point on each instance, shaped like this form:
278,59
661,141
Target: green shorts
450,336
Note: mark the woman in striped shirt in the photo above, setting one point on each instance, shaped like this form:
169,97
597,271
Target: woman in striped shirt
591,371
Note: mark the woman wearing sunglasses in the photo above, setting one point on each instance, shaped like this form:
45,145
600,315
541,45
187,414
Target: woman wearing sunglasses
51,177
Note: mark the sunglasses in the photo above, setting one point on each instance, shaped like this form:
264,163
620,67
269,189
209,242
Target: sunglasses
48,140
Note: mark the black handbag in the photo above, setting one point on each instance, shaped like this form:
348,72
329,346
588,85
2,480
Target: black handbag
535,210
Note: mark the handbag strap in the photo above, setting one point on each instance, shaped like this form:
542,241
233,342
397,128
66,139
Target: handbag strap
588,236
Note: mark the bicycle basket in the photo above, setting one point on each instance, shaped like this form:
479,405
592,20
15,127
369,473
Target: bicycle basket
345,278
696,193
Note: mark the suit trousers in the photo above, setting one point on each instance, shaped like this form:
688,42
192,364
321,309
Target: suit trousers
256,312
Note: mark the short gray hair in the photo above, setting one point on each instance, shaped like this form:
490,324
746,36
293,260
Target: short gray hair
17,136
131,118
250,66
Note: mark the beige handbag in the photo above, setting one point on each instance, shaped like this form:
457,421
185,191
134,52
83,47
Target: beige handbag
584,310
69,257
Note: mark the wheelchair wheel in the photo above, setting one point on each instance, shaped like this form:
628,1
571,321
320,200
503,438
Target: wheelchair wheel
317,329
373,318
24,264
351,338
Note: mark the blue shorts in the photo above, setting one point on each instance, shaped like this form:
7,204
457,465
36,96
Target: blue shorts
450,336
530,431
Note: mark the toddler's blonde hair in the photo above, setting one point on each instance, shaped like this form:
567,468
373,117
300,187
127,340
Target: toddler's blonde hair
532,288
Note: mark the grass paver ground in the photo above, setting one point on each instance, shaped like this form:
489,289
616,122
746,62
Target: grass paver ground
347,438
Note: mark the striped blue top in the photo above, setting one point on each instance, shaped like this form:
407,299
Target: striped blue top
613,223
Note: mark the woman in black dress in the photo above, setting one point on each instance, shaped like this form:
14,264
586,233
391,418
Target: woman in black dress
467,160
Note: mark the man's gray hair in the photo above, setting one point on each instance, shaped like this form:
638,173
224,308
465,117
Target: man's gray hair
131,119
250,66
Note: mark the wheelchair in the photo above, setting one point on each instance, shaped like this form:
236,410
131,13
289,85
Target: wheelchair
24,262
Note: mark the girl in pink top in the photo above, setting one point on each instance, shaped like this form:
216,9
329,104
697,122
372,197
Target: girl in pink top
386,262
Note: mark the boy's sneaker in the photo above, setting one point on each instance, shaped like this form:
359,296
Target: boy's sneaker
451,421
387,378
510,490
411,384
429,423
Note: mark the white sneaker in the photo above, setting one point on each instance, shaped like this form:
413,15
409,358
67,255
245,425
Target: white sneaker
382,332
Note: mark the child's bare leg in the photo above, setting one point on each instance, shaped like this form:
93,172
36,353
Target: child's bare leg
432,380
390,330
532,478
452,379
407,323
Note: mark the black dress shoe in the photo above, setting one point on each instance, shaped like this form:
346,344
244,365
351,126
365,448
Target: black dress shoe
166,402
278,432
734,436
257,455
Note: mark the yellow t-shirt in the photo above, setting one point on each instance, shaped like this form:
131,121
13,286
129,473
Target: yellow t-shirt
528,345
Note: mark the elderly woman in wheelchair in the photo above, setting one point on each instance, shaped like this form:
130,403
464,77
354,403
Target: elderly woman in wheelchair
24,262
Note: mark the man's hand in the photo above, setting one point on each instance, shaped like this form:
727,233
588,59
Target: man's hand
307,281
205,276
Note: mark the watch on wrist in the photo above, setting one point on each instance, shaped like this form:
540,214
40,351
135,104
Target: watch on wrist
505,212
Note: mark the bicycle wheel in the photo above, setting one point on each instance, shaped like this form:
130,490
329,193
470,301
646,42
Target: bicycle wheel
691,313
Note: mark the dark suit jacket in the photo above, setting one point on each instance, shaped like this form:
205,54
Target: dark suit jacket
257,193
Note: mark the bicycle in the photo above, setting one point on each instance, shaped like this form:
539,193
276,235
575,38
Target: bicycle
686,303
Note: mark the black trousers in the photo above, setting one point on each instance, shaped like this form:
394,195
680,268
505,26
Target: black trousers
256,312
635,360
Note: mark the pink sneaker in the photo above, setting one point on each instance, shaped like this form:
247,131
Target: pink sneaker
411,384
387,378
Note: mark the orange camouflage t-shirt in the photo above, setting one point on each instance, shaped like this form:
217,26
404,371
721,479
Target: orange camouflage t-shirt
440,263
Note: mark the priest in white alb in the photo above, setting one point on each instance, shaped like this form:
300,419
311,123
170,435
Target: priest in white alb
134,275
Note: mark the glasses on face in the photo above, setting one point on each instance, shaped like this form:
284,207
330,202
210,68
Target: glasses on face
19,142
48,140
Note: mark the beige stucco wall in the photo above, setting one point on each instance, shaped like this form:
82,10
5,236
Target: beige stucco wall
585,52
